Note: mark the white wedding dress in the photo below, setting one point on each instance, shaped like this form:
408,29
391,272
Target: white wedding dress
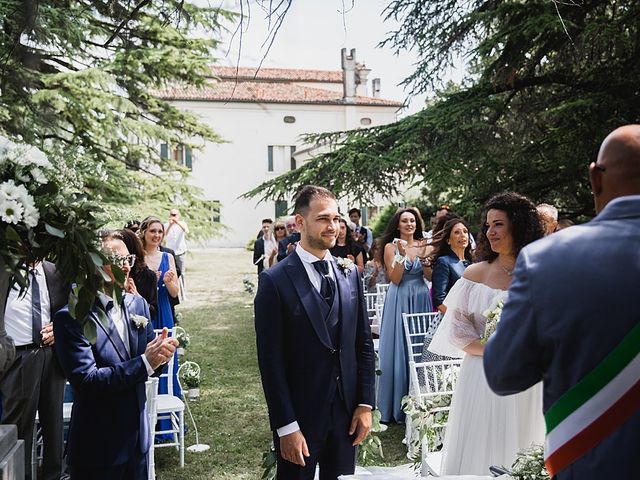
483,429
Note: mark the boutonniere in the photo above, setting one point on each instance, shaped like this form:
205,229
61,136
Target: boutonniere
139,321
345,264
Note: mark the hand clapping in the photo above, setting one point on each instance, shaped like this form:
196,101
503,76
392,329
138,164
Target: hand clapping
160,350
169,276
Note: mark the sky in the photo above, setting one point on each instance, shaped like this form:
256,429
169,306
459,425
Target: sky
312,36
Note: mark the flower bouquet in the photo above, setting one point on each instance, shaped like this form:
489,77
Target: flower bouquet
493,318
190,375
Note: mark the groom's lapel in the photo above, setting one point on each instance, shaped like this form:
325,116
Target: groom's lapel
309,299
127,310
113,336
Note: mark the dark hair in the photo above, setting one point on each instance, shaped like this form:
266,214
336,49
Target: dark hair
267,220
308,193
443,220
132,223
349,239
146,223
392,230
355,210
440,246
525,225
134,245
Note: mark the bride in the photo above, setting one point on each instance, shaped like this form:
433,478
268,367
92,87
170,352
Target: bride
485,429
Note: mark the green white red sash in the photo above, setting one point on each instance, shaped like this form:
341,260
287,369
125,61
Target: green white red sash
595,407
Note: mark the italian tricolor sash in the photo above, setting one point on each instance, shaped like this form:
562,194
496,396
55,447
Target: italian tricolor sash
595,407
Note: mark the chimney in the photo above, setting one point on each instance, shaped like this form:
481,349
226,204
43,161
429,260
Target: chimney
349,76
375,86
362,72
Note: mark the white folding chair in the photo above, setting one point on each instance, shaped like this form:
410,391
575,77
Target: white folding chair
438,379
417,326
381,289
372,312
151,389
172,408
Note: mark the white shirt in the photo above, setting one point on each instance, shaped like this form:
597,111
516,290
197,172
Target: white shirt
175,239
17,315
316,280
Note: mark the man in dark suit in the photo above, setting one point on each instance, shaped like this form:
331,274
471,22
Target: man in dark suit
258,247
571,320
109,435
314,349
34,382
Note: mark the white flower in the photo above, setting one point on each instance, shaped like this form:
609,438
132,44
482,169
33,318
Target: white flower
11,191
31,216
345,264
11,211
139,321
38,176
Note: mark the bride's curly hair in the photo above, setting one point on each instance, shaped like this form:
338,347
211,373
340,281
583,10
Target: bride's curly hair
525,224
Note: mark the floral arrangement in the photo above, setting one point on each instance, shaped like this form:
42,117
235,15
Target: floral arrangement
529,464
190,374
428,418
493,318
42,217
183,337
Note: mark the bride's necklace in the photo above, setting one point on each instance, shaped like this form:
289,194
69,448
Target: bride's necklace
508,271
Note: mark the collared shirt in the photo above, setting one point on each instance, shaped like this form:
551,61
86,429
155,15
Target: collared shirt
316,280
175,239
18,316
119,320
308,259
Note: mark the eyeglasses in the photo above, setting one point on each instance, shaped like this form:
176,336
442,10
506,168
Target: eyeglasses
279,228
120,260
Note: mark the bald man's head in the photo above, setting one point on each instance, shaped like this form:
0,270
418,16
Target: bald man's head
616,173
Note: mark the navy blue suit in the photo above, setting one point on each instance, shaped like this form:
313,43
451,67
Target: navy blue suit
307,375
573,298
108,421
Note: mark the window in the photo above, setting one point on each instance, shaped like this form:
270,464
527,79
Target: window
365,121
180,154
289,119
280,158
215,211
281,208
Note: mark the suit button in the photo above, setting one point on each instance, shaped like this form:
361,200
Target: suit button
332,351
338,378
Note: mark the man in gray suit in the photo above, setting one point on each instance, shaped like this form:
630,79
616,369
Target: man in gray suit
572,320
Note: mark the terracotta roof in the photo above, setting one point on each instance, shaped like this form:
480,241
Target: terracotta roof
266,92
283,74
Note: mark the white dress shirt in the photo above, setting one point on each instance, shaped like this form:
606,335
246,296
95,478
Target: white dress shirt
17,315
118,320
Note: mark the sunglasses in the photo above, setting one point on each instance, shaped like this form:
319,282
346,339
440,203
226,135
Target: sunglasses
279,228
120,260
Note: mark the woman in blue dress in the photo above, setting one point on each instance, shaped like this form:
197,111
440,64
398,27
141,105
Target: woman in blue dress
402,246
151,234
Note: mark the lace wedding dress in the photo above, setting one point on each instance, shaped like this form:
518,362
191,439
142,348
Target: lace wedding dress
483,429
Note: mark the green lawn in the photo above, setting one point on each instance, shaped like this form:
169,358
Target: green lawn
231,414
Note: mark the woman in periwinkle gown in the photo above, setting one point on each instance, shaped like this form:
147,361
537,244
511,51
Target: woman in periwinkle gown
483,428
408,293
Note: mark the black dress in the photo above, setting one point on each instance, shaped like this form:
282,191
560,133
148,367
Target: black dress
147,286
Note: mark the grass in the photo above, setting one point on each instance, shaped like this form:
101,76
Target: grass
231,414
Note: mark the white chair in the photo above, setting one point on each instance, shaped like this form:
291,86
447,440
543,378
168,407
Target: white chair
417,327
372,312
172,408
426,381
151,389
381,289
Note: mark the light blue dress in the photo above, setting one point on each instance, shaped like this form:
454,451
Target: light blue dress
410,296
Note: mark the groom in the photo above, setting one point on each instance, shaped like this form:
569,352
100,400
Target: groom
572,320
314,349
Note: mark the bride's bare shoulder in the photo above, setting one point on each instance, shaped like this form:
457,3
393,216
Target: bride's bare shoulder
476,272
